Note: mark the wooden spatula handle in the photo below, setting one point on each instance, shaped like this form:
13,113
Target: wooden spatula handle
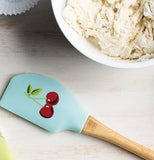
96,129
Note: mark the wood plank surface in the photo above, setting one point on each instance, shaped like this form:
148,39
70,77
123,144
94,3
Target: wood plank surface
123,99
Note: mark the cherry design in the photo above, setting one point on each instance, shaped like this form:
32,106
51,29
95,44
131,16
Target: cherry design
52,98
47,111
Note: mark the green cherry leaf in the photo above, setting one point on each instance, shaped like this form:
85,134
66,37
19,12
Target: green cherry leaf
36,91
29,89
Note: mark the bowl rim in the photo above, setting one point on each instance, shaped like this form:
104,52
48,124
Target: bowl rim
110,62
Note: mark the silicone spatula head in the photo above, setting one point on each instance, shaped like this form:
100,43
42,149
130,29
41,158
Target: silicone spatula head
45,102
5,153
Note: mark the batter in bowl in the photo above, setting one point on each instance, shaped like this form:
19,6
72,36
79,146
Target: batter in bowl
121,28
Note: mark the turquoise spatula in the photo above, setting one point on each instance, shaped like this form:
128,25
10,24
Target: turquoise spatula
48,104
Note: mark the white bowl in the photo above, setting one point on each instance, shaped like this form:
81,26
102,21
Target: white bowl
88,49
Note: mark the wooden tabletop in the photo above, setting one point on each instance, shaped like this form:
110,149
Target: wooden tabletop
123,99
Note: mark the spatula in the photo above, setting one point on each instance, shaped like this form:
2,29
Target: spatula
48,104
5,153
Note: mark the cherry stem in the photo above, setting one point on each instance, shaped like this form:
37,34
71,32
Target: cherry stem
40,98
33,99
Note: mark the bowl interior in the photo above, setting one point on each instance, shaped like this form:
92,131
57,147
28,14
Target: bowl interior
86,47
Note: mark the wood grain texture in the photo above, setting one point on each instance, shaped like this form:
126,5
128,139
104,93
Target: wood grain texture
97,129
123,99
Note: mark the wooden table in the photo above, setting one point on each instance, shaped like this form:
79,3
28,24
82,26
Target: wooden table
121,98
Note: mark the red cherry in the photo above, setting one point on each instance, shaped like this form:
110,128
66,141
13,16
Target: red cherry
52,98
47,111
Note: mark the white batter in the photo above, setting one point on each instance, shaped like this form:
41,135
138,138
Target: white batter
121,28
